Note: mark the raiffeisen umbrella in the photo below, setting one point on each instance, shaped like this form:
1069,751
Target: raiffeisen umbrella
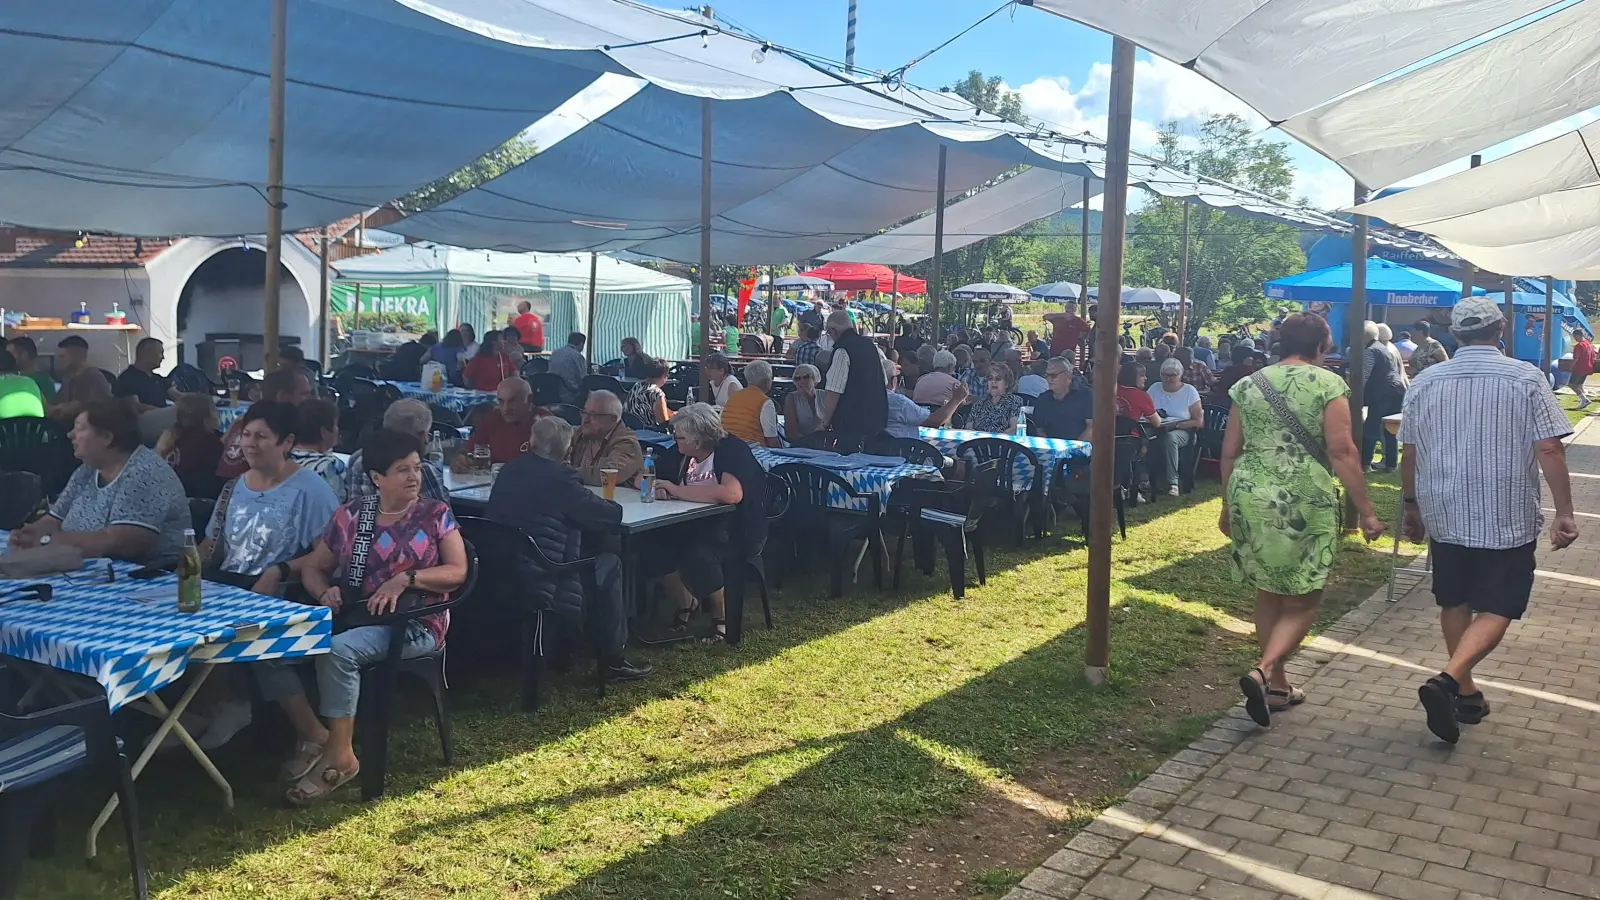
1003,293
1057,290
799,283
1388,284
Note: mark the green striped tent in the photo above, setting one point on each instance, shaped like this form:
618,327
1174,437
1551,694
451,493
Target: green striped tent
482,288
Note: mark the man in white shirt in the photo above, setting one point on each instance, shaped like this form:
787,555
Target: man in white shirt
1181,416
1478,431
1034,383
1405,345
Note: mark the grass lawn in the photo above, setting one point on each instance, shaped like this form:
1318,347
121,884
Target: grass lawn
747,773
1569,403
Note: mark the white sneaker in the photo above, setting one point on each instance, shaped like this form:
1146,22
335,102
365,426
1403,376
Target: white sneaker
1172,491
227,720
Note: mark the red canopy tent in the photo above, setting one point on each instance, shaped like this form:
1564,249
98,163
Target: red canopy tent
867,277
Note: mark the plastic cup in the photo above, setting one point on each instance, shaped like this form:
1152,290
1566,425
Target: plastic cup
608,483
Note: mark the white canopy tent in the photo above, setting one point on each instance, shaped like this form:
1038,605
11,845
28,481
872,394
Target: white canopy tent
481,288
1532,63
1536,210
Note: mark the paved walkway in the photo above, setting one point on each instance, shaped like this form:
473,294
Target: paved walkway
1350,797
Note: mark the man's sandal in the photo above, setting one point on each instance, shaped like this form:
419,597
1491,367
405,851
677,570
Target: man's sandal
1279,701
1255,697
1471,708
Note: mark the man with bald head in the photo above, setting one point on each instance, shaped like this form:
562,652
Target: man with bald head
854,401
603,442
504,429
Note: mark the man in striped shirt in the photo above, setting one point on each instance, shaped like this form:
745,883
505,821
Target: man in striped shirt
1477,430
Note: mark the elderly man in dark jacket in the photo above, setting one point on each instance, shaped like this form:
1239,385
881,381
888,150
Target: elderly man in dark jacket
539,494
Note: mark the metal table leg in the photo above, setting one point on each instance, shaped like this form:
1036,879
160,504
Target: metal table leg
169,723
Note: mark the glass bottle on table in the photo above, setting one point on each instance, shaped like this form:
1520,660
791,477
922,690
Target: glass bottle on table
189,574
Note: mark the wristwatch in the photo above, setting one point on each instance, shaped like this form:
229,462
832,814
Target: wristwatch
411,578
44,540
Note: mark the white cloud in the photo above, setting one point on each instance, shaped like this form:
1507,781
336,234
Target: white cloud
1322,183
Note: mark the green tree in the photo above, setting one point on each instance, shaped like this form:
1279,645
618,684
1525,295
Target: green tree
485,168
1229,255
988,95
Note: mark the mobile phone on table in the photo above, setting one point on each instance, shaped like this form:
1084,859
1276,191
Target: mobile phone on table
146,573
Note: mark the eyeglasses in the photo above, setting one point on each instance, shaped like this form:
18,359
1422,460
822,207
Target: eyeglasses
598,415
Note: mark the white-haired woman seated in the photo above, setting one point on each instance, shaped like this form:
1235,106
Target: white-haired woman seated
802,407
699,561
750,415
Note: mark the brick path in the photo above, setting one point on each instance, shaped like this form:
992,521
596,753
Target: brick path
1350,797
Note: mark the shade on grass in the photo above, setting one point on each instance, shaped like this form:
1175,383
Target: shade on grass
733,773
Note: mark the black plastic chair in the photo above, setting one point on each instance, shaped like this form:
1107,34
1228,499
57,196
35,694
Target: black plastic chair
444,415
812,515
912,450
354,370
1126,459
547,388
35,751
37,445
189,379
603,383
535,366
566,411
361,405
629,420
953,512
501,549
378,683
778,499
20,493
837,442
1021,503
200,510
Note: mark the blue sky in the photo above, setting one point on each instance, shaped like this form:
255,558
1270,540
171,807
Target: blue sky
1059,67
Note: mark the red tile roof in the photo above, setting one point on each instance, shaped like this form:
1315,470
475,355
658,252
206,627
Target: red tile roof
98,251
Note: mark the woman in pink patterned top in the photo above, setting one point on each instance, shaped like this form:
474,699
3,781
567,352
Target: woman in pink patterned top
412,544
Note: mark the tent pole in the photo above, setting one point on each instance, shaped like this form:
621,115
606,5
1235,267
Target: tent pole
894,301
1083,279
1549,322
1467,277
1183,281
1113,226
594,299
705,245
937,286
772,297
850,39
355,309
1510,311
1355,359
324,307
280,17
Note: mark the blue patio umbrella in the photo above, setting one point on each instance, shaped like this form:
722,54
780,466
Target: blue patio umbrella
1388,284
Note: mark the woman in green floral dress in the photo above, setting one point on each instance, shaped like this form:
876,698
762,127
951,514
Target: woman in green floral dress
1280,502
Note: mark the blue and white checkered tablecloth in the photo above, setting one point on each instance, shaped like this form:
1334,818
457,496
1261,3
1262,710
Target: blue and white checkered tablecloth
868,479
97,628
455,399
227,415
1049,450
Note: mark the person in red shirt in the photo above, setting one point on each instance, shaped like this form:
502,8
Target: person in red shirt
485,371
1583,358
529,327
504,429
1067,330
1132,400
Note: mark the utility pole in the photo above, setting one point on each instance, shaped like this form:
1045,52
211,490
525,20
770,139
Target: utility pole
850,40
1108,355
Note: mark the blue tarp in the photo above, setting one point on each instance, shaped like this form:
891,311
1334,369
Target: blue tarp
1388,284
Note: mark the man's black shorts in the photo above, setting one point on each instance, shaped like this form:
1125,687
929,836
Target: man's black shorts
1490,581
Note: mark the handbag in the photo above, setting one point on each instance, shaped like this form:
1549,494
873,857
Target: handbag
1286,417
353,611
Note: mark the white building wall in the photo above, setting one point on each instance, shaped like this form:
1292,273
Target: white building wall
57,293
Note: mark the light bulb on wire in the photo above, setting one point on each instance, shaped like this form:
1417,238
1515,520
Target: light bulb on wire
759,55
